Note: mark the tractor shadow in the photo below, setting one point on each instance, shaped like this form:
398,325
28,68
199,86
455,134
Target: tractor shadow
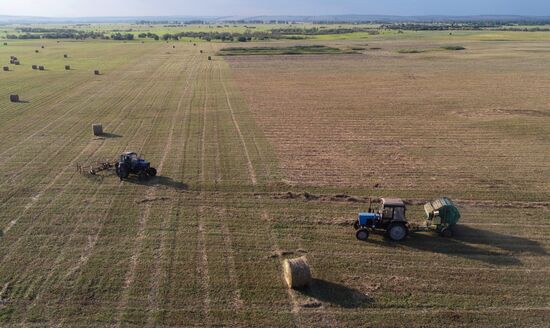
335,294
160,181
473,244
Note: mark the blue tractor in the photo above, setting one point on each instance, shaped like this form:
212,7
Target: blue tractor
441,216
390,217
131,163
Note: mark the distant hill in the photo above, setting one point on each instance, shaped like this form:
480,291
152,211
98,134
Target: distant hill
305,19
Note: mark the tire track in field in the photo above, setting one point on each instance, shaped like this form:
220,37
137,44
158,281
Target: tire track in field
58,176
151,192
226,235
182,168
230,262
251,171
294,305
202,267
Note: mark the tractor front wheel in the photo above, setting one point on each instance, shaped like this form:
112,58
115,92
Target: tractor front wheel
362,234
397,232
152,172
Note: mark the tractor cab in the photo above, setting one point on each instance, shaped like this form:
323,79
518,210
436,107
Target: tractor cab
392,210
390,217
131,163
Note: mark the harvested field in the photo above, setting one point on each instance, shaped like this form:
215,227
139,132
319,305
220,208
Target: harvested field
405,123
267,158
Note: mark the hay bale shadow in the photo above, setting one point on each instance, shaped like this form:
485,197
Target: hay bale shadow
107,135
336,294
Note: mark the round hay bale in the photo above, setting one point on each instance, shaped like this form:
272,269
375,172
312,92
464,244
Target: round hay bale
36,51
16,62
42,47
6,68
174,47
65,56
97,129
209,57
201,51
296,272
34,67
5,43
12,61
96,72
67,67
13,57
14,98
41,68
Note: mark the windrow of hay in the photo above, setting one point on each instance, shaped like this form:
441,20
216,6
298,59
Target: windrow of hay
296,272
97,129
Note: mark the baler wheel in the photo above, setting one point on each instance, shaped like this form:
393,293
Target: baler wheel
447,232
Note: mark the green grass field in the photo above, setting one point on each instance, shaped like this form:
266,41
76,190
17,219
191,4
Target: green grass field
202,244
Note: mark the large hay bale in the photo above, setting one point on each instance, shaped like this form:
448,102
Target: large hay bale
41,68
65,56
6,68
96,72
36,51
34,67
201,51
296,272
42,47
68,67
16,62
97,129
14,98
5,43
12,61
209,57
174,47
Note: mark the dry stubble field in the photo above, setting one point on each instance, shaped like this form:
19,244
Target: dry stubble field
201,244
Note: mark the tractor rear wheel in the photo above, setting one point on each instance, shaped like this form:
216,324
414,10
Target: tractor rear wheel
362,234
142,175
152,172
397,231
122,171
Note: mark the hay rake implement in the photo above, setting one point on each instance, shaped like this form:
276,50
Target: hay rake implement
129,163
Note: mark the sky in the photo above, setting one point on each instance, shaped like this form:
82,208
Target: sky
95,8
